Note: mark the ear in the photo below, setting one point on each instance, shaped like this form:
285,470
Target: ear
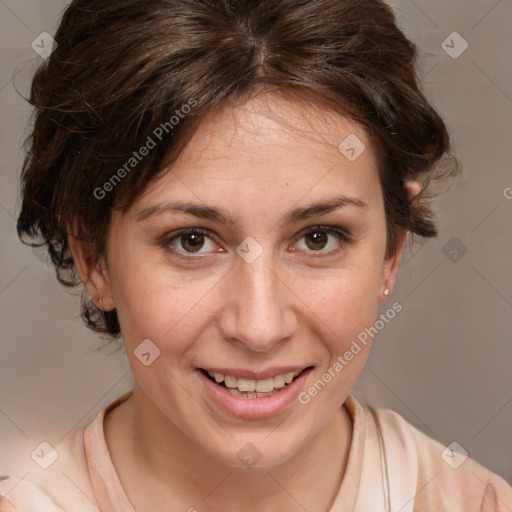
94,275
391,265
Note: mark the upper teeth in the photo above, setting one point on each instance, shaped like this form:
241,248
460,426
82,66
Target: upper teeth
263,386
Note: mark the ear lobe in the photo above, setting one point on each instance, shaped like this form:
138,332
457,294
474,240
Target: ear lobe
94,275
392,264
391,267
413,190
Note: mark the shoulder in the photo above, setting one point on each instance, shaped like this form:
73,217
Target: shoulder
63,486
447,479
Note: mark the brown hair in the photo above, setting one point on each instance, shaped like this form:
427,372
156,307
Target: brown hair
126,71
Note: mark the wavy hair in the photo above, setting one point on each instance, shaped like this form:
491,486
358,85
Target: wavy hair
124,67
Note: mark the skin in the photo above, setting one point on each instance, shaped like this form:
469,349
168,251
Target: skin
295,304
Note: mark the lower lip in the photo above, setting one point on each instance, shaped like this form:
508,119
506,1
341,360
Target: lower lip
254,408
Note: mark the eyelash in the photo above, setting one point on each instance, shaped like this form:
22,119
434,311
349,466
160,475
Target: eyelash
342,236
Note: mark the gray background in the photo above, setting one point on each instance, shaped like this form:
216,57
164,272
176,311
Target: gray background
443,363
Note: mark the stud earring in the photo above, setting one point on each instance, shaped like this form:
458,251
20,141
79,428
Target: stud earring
386,291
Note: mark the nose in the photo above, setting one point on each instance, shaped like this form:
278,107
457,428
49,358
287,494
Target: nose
257,310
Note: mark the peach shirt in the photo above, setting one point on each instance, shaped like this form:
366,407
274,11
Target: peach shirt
391,466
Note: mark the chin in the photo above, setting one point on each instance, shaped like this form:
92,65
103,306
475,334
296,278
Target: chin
257,451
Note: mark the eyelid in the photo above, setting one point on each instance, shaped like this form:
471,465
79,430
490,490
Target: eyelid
342,234
322,227
166,240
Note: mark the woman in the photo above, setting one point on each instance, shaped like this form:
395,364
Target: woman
233,183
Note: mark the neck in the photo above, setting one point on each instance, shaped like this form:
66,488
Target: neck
159,466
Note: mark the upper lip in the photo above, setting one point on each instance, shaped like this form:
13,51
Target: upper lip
256,375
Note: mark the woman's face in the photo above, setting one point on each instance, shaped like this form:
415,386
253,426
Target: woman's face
281,271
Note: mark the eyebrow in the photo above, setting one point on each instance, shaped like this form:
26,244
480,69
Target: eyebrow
223,216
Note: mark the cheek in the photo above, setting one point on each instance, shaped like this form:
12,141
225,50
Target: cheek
346,307
153,303
345,300
346,311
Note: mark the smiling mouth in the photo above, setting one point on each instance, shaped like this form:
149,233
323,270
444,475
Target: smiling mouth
251,388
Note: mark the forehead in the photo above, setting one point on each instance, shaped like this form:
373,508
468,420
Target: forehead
267,124
270,150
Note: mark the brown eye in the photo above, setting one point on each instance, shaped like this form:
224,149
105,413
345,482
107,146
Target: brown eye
323,240
316,240
189,241
192,242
